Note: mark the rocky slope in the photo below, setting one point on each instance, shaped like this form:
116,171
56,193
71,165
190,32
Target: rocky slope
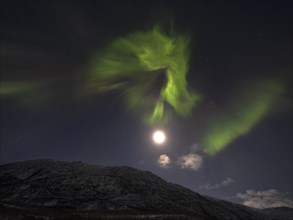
41,186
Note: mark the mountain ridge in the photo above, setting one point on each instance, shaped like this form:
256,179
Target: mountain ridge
49,184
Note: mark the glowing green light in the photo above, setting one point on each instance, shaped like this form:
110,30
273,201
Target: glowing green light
131,65
32,95
14,88
254,106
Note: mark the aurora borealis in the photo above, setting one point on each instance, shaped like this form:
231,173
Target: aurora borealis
92,81
132,65
250,109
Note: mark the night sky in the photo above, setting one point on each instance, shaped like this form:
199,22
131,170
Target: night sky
46,52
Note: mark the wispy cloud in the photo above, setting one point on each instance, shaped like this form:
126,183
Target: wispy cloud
164,161
227,181
190,161
265,199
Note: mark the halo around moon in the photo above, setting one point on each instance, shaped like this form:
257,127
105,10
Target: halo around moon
159,137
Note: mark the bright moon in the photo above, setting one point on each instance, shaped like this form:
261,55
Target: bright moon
159,137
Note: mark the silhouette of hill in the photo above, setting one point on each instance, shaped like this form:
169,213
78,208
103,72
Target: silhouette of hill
48,189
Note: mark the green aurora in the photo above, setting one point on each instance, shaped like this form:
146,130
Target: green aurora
252,107
14,88
134,65
33,95
149,70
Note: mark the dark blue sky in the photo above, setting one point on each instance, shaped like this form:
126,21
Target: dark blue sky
231,43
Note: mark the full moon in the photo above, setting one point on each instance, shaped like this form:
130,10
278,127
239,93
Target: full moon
159,137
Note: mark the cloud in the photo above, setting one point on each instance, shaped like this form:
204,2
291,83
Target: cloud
227,181
164,161
190,161
264,199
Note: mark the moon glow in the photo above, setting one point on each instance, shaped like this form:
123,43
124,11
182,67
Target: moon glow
159,137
